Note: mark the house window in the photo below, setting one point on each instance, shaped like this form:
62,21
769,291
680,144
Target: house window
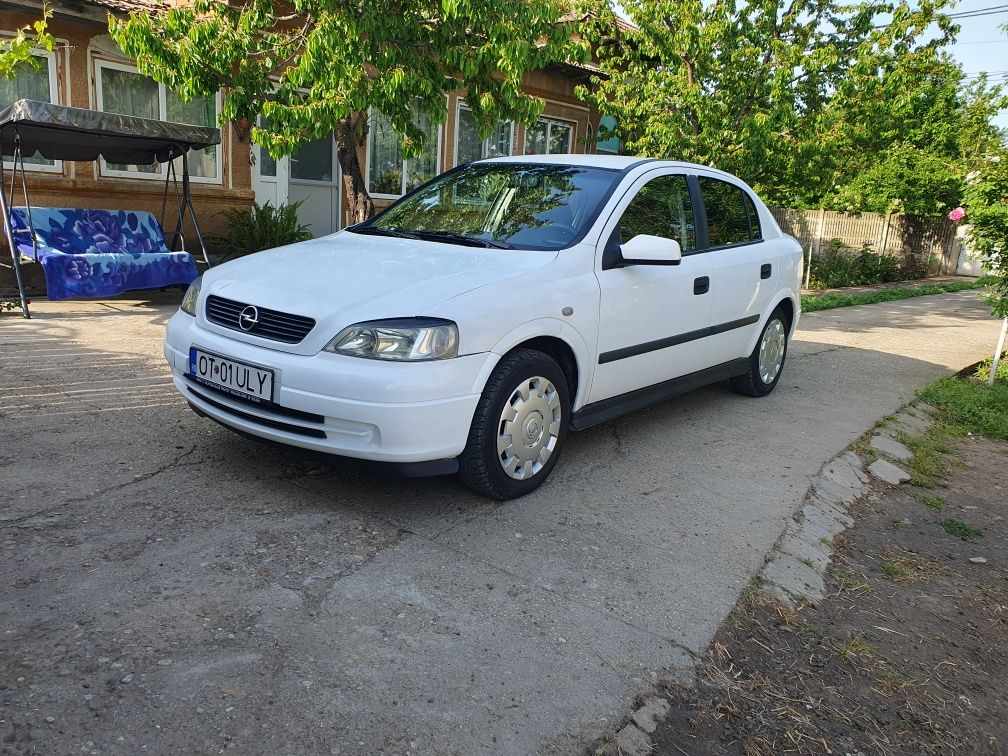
122,89
33,83
549,137
389,173
469,146
610,145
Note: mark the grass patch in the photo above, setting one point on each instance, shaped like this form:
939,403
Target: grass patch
935,503
960,529
855,647
752,593
906,567
971,404
927,464
890,678
897,571
814,303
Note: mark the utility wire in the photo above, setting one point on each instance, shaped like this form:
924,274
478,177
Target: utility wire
979,12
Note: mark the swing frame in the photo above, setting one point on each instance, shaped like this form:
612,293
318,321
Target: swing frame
64,133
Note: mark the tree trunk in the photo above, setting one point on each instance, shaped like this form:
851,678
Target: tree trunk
348,138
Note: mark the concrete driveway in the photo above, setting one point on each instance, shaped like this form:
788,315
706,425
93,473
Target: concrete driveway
172,587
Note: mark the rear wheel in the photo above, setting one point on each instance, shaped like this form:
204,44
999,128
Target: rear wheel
766,363
519,426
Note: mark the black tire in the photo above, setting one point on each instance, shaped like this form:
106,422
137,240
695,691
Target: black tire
480,465
751,383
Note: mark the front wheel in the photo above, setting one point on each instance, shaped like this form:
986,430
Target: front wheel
519,426
767,360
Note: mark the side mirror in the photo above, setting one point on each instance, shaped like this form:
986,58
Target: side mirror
645,249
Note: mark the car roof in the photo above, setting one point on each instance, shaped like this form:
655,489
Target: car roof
614,162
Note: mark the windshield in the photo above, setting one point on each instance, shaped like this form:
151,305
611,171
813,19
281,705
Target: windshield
506,205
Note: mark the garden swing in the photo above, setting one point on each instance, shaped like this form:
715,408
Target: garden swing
88,253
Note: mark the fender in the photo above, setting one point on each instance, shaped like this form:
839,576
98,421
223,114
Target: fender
534,329
781,295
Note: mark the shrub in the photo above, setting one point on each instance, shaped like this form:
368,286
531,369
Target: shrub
837,266
262,227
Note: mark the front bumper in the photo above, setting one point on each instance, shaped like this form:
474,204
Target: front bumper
353,407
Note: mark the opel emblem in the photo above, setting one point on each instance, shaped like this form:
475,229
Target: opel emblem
249,318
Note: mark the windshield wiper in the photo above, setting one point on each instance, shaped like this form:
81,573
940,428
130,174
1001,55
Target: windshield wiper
452,236
378,231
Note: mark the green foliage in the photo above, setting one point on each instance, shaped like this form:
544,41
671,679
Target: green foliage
836,267
986,200
16,51
970,404
984,368
314,66
903,179
960,529
262,227
830,301
815,104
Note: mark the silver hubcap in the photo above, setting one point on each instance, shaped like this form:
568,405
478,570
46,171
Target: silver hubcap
771,351
529,428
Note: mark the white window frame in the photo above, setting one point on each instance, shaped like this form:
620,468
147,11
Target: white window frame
50,57
549,121
405,165
486,142
158,174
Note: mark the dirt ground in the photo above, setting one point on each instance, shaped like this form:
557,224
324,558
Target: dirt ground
908,653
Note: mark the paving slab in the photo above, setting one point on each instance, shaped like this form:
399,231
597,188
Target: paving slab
887,471
890,447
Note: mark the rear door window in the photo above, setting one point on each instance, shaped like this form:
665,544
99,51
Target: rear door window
727,216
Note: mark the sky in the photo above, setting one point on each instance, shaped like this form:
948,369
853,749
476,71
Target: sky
982,45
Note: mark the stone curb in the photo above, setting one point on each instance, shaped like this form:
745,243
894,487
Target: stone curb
795,566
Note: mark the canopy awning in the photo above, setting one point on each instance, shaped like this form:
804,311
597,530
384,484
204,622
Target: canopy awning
59,132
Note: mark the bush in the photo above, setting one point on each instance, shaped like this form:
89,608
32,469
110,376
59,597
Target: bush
837,267
262,227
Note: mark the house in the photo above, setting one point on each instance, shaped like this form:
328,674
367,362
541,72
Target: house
87,70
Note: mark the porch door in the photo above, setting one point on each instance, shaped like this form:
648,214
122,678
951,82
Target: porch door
269,178
311,175
315,182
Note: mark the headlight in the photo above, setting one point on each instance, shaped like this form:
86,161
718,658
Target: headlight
400,339
192,294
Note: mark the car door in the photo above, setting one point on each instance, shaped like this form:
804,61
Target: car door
650,314
743,266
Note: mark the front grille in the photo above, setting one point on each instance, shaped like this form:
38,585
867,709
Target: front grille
279,326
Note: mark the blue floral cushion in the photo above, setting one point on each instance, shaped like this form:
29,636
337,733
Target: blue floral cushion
99,253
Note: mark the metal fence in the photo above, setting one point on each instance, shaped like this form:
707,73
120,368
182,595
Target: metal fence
927,237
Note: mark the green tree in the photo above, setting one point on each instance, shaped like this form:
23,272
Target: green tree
906,143
314,67
797,98
16,51
986,199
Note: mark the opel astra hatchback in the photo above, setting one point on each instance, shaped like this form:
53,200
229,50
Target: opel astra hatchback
472,324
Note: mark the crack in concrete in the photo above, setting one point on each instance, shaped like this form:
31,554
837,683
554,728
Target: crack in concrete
140,478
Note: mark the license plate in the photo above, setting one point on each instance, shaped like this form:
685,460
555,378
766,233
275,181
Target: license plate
232,376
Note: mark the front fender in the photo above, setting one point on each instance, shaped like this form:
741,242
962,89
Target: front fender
535,329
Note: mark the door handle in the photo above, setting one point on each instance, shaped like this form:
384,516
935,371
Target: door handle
765,270
701,285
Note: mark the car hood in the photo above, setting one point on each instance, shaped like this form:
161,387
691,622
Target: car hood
347,278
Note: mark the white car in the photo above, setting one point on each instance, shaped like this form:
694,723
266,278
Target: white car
473,323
